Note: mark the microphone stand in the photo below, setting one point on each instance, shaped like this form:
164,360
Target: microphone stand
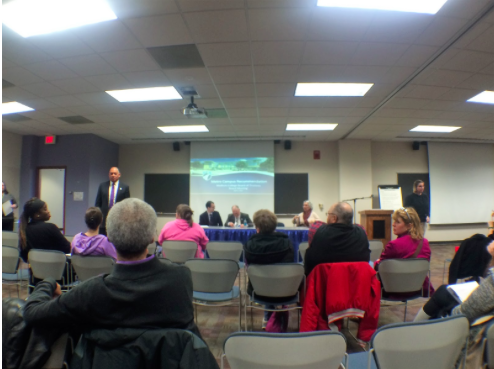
355,205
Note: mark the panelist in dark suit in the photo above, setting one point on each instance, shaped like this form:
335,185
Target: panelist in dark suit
210,217
237,218
109,193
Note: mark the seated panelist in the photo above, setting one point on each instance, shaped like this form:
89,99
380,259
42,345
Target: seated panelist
237,218
210,217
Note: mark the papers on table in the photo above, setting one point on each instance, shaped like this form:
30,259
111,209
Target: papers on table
7,208
462,291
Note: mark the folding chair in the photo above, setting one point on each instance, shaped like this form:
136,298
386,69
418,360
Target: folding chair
90,266
311,350
403,276
179,251
47,263
213,283
376,248
59,351
274,281
302,248
11,274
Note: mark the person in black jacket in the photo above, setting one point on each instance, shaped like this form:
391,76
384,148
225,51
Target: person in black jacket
210,217
337,241
420,202
267,247
140,292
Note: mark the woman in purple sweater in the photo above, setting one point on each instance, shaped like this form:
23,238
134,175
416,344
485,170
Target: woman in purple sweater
91,242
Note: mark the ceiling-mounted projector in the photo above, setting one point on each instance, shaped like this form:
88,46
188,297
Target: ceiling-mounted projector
192,111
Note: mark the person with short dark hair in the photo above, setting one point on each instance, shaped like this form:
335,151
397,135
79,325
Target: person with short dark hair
337,241
420,202
267,247
183,228
140,292
8,219
91,242
210,217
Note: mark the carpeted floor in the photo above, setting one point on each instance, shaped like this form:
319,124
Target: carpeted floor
216,324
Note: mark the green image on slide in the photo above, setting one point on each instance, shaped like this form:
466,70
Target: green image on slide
224,166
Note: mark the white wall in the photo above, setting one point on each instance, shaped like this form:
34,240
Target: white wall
11,164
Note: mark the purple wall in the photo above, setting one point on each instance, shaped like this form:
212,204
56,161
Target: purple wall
87,159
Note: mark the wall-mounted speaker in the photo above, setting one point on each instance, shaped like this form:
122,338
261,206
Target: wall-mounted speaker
288,145
176,146
416,145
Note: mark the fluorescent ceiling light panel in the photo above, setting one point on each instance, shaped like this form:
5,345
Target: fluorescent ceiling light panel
412,6
14,107
311,126
38,17
146,94
184,129
440,129
486,97
332,89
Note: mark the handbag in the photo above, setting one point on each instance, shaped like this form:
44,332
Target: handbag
278,322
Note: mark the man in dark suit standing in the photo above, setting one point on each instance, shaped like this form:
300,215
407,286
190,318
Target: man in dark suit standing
237,218
210,217
109,193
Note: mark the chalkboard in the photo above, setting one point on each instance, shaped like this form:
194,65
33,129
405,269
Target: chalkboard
290,191
165,191
405,181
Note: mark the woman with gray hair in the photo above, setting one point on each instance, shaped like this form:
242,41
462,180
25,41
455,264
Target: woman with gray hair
307,216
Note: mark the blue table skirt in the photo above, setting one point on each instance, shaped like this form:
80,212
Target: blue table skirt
296,235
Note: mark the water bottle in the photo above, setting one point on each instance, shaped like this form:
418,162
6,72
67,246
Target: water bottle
245,223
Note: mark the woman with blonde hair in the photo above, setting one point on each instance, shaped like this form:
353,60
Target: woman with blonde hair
410,242
183,228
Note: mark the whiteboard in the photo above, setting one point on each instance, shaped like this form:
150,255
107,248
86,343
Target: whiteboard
390,197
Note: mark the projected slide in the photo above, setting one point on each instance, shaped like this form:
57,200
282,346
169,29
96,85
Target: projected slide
233,175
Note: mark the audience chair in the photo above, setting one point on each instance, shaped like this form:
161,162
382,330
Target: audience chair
376,248
225,250
431,344
403,276
274,281
311,350
489,347
152,248
91,266
302,248
59,353
47,263
165,261
213,283
10,238
69,238
11,274
179,251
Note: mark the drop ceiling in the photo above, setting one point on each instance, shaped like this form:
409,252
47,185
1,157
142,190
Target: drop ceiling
254,52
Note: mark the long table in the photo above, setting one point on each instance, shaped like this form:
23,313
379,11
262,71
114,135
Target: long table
296,235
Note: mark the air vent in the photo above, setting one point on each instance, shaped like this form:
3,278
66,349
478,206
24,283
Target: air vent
76,119
6,84
217,113
15,117
177,56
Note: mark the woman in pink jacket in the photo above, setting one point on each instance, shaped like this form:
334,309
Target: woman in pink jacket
184,229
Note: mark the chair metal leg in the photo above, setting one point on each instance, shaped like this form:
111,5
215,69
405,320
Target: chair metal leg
406,305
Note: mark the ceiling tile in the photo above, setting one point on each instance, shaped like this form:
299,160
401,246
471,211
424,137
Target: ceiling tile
469,61
445,78
188,77
232,74
478,81
340,53
397,27
20,76
225,54
65,101
130,60
45,89
427,92
108,36
416,55
440,31
17,94
235,103
22,52
39,104
279,53
242,113
62,44
199,5
274,102
378,54
153,78
160,30
339,24
278,24
275,89
236,90
88,65
134,9
109,82
96,98
75,85
276,74
218,26
51,70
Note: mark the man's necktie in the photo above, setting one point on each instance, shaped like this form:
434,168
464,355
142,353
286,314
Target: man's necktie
211,219
112,195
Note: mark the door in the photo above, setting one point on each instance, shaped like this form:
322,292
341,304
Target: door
51,189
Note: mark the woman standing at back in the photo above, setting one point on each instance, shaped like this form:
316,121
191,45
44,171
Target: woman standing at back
36,233
183,228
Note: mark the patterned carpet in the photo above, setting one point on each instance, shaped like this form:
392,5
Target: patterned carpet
217,323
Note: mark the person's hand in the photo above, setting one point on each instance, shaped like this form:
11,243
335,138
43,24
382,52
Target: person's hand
230,224
58,291
13,206
427,220
241,226
311,221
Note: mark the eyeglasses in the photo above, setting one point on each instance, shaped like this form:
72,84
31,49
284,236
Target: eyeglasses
408,215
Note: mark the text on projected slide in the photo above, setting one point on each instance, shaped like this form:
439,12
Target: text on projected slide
232,175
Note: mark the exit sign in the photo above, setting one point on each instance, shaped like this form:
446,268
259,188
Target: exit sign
50,140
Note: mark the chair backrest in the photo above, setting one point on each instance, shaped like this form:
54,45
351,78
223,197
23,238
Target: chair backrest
91,266
10,259
403,275
69,238
489,350
179,251
47,263
302,248
276,280
213,275
165,261
11,242
58,350
431,344
314,350
376,248
7,235
225,250
152,248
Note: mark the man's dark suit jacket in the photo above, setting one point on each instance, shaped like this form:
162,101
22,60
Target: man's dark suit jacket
204,219
243,218
101,202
